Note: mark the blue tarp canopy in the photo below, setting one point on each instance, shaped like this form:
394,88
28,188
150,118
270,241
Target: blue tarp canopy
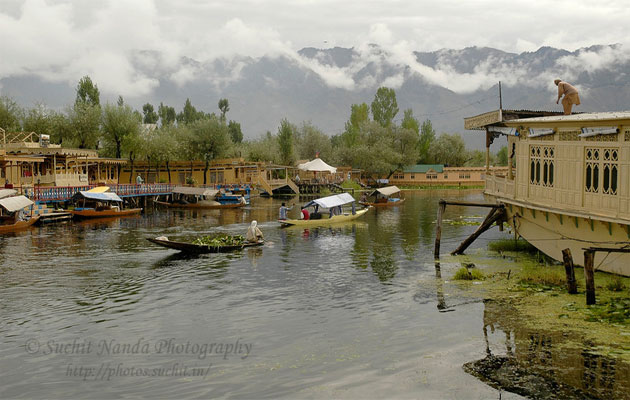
107,196
332,201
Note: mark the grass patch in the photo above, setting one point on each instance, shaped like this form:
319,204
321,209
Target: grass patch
351,185
615,284
512,245
465,274
545,278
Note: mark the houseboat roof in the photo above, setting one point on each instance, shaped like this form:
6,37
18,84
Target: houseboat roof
597,117
500,117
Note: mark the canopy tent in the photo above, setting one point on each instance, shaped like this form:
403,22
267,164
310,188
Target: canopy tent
386,191
106,196
195,191
332,201
13,204
99,189
7,192
317,165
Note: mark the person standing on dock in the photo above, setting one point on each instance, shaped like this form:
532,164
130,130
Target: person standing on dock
570,93
283,212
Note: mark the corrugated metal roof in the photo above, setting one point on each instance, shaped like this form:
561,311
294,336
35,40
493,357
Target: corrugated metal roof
424,168
12,204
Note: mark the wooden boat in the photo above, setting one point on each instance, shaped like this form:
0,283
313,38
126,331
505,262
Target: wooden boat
19,225
101,205
382,197
200,249
203,198
346,217
11,207
329,202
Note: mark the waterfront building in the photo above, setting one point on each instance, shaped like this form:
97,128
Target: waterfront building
438,174
570,187
28,160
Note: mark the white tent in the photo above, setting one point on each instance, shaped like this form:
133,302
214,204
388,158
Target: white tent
317,165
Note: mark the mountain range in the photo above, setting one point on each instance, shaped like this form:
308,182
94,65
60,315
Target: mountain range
320,85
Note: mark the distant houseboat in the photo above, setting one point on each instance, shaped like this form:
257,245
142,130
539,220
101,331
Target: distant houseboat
570,188
196,197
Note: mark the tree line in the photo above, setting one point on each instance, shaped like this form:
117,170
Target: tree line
372,139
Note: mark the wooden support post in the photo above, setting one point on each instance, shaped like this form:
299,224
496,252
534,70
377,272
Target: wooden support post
496,215
570,271
589,256
438,230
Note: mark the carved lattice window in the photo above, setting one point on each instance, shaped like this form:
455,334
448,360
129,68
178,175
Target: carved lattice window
602,170
542,165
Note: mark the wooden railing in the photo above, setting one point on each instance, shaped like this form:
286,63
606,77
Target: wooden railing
63,193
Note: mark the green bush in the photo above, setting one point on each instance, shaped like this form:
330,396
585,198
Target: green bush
465,274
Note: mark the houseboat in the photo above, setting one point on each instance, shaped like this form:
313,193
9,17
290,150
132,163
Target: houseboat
570,186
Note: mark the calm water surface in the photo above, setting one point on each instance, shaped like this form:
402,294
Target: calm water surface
354,311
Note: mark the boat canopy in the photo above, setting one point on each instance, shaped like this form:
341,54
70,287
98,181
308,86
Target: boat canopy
106,196
317,165
195,191
99,189
332,201
13,204
7,192
386,191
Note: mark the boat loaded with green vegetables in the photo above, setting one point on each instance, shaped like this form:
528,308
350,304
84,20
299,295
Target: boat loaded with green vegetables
221,243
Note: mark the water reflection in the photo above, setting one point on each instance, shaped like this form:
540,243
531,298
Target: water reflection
544,364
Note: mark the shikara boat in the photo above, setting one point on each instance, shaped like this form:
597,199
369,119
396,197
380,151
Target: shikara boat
200,249
334,201
383,197
203,198
12,217
99,205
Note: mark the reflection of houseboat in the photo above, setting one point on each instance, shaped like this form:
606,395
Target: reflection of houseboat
570,186
12,214
384,197
100,203
194,197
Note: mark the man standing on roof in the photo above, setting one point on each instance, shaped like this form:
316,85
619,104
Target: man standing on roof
570,93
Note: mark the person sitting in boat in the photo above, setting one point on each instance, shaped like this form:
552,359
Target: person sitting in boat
254,234
305,215
283,212
363,197
316,214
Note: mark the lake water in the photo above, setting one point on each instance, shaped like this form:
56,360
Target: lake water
92,309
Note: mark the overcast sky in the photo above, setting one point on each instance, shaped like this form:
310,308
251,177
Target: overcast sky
64,40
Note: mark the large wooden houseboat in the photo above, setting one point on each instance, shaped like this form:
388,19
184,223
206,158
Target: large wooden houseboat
570,186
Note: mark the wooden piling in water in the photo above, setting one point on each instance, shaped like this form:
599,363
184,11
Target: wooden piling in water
569,270
496,215
589,256
438,230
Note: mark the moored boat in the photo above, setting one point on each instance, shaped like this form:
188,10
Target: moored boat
383,197
99,205
332,203
12,214
570,188
203,198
